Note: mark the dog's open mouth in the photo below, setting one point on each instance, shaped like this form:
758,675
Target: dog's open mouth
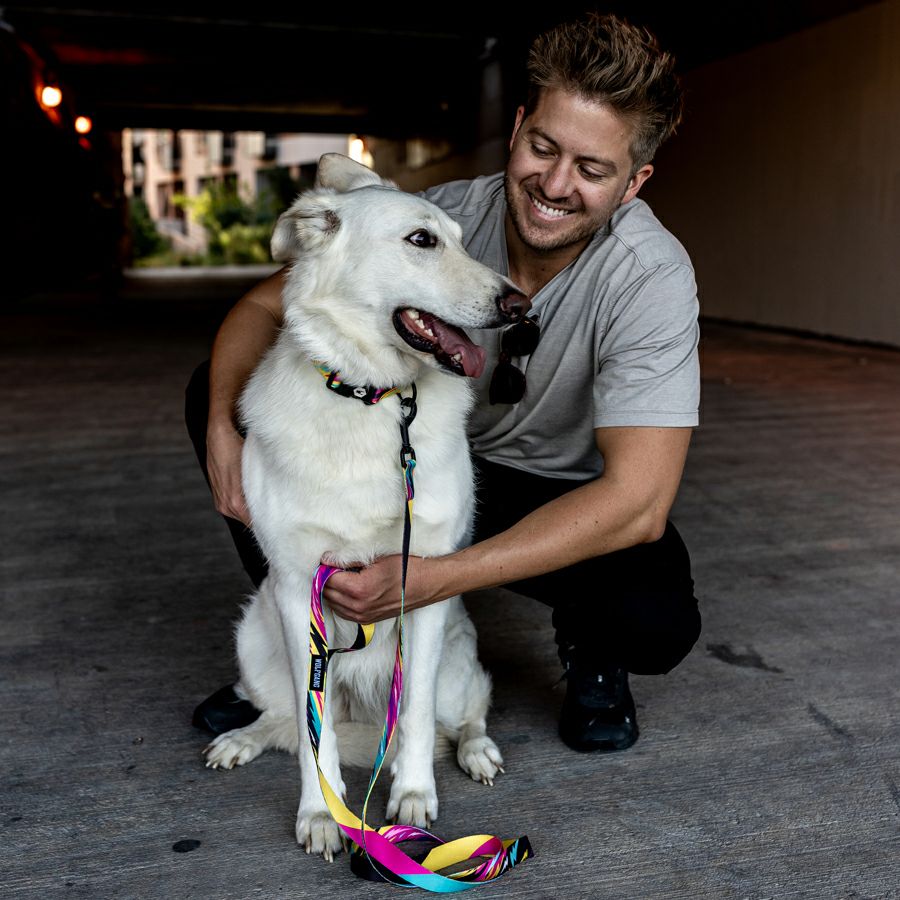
450,345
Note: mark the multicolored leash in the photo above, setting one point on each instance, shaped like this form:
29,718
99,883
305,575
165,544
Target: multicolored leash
488,857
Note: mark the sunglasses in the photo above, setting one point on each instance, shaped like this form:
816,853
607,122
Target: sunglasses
508,381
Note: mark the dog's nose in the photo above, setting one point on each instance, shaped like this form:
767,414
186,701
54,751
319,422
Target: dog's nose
513,305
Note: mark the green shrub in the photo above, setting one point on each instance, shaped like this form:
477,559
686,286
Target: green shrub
145,239
237,232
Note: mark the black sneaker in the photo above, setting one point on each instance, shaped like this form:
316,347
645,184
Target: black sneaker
224,711
598,711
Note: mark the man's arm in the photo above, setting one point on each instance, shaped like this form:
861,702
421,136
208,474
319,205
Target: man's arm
627,505
243,338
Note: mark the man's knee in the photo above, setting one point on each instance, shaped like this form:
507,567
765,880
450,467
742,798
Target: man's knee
661,641
647,633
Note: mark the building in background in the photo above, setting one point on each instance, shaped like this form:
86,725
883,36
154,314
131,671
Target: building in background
162,166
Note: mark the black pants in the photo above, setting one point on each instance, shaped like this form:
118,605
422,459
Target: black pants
634,608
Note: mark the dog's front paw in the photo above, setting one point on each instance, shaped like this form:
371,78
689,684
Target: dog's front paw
419,808
234,748
479,758
319,833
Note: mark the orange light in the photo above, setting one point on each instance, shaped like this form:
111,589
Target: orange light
83,124
51,96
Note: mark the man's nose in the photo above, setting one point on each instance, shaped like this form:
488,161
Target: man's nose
556,181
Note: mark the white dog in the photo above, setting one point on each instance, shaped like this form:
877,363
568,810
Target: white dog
378,291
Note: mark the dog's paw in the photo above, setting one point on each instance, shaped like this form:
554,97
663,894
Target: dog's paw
234,748
479,758
418,808
319,833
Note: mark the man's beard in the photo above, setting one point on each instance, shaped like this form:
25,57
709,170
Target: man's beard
579,234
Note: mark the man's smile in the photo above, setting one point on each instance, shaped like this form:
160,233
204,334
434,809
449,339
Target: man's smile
549,211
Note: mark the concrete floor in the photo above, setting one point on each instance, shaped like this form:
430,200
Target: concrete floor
769,761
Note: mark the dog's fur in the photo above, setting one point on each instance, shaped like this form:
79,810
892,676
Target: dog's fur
322,478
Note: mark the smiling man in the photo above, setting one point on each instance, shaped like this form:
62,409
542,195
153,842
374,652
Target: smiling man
570,169
583,424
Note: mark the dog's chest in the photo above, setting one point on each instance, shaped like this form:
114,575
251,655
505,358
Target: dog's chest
365,675
326,463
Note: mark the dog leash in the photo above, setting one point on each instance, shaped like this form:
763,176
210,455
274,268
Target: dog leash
376,854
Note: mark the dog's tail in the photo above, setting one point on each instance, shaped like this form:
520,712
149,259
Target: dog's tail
358,744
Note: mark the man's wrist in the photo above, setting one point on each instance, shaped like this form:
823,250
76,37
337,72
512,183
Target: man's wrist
436,578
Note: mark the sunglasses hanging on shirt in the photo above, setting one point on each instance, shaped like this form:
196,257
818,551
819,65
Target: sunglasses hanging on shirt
508,381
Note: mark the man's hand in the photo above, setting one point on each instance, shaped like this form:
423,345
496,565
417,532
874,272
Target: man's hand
223,460
373,593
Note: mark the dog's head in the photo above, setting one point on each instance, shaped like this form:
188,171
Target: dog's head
382,274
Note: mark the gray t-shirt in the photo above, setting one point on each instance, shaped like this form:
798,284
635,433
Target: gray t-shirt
618,338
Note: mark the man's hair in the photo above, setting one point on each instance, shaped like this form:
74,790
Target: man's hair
606,60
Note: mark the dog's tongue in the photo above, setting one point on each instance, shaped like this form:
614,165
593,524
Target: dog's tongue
452,340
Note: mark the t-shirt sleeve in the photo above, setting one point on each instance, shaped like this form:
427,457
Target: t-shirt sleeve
648,371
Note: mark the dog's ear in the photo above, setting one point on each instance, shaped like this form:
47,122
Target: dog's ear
309,222
340,173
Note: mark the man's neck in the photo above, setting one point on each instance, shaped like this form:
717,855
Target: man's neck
531,269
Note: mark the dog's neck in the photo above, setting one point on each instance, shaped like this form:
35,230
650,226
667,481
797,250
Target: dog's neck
357,363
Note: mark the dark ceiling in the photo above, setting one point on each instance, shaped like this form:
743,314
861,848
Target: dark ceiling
391,70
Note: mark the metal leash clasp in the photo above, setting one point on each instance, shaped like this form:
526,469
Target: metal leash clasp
408,412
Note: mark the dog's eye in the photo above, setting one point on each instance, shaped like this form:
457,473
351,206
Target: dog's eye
422,238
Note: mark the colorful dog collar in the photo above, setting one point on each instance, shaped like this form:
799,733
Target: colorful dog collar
365,393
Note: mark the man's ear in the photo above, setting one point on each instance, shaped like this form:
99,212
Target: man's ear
307,225
634,185
520,118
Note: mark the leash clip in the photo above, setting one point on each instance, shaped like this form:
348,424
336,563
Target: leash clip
408,410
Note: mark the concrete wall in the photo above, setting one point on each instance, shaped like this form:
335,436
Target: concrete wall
300,149
784,182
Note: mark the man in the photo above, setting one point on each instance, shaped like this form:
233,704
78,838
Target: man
577,474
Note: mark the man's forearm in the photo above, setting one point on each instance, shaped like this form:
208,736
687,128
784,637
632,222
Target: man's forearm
244,337
590,521
247,332
627,505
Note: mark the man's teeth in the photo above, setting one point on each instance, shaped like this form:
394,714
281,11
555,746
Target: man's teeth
417,320
549,211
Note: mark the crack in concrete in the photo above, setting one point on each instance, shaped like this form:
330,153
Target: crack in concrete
749,660
828,724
